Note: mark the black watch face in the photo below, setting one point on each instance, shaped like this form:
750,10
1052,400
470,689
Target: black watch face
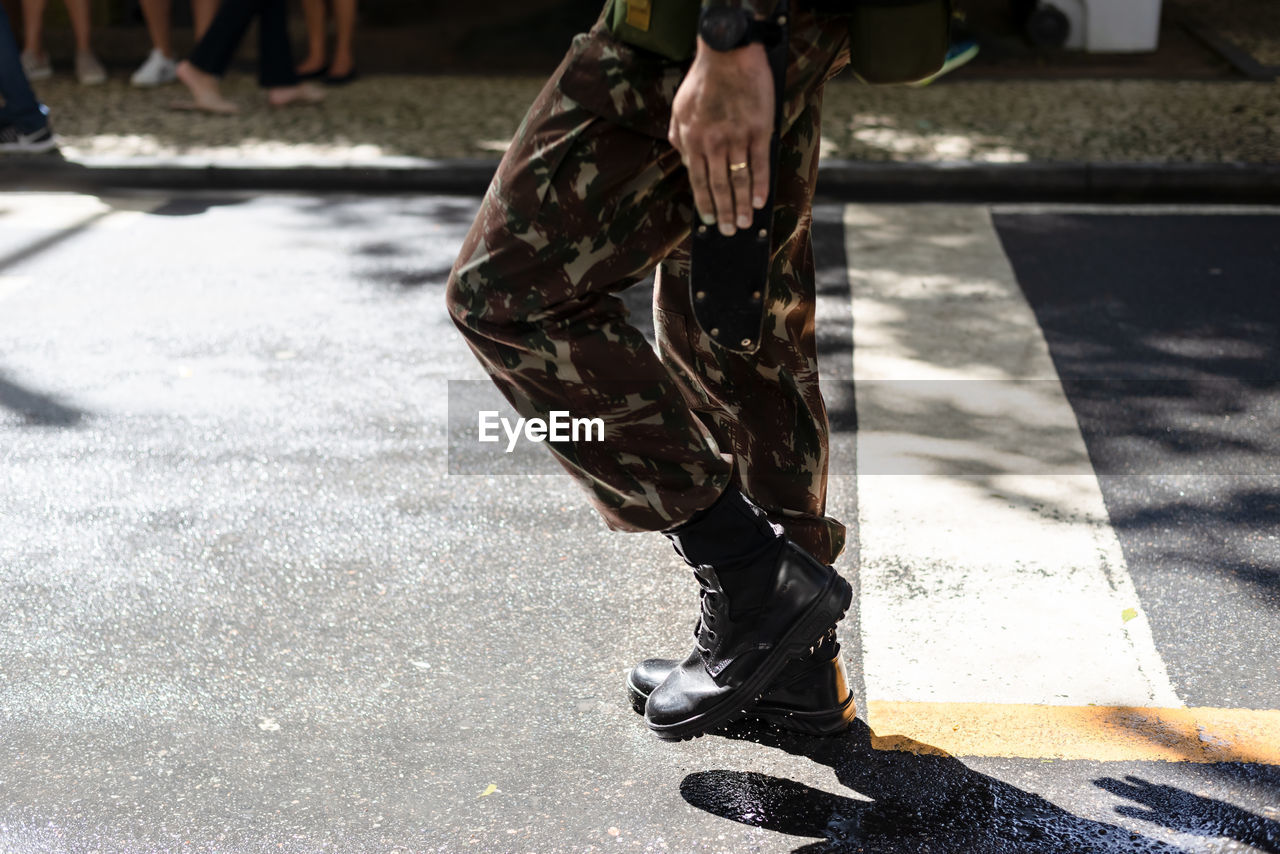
722,28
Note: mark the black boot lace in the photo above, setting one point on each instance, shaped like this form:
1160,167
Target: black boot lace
710,610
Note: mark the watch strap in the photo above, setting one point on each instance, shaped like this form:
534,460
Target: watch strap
766,31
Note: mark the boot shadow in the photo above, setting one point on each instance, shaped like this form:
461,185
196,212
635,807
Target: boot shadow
913,802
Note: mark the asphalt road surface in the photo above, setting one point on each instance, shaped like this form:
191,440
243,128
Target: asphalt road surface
262,590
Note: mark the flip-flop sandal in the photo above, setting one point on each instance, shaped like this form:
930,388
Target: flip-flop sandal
190,105
313,100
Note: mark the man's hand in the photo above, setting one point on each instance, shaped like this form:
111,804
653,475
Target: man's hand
723,117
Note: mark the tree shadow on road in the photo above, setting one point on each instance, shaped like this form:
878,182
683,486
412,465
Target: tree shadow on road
1195,814
35,408
926,801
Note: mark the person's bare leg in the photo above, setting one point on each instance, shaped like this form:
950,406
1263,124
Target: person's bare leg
344,21
156,14
202,12
89,70
33,27
313,11
205,90
78,12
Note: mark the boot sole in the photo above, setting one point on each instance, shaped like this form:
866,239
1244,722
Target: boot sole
822,722
827,610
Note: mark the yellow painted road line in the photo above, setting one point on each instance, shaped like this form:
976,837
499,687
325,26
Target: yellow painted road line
1101,733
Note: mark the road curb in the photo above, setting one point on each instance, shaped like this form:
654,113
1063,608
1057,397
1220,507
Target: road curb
1097,182
843,180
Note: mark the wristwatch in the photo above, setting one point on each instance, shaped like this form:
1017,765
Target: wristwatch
726,28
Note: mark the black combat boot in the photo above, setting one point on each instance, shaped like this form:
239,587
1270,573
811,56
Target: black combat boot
765,602
811,695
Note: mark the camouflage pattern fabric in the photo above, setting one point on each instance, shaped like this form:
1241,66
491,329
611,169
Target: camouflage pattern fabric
589,198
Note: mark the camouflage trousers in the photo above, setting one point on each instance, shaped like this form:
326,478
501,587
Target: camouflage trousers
583,206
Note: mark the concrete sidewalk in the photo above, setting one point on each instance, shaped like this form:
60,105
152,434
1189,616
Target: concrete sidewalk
997,139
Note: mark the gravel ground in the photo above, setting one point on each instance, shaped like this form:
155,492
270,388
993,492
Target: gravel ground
1252,24
1099,121
442,116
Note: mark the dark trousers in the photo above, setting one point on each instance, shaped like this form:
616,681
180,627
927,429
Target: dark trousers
20,106
275,60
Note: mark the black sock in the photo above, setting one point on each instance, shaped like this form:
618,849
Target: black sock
736,539
730,529
749,579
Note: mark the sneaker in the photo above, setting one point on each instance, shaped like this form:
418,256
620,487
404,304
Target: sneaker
89,71
36,67
958,54
156,71
12,139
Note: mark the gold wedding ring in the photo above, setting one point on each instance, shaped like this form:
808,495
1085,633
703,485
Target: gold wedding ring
737,167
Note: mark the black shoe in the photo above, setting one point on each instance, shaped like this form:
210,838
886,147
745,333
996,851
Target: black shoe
810,696
742,650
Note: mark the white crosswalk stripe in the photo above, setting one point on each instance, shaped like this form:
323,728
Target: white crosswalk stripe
989,570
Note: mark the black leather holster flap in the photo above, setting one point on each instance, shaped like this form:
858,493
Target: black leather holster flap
728,276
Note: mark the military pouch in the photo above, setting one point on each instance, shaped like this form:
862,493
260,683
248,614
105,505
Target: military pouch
666,27
898,41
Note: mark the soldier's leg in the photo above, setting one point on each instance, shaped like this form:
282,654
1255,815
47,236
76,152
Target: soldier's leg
580,209
765,408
